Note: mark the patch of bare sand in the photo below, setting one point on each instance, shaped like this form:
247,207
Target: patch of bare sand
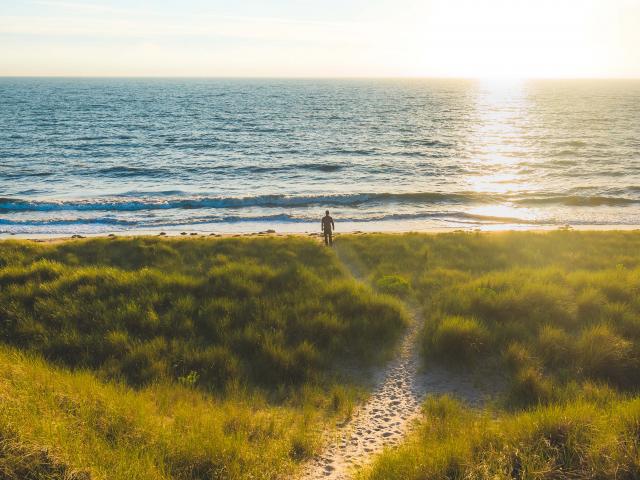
395,229
391,410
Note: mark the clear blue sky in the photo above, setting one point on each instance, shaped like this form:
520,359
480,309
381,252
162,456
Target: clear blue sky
539,38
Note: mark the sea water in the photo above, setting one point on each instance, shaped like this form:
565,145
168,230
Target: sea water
220,155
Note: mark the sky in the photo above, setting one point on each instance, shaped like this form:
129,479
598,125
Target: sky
321,38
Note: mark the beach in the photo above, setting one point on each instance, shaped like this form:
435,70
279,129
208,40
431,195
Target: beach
283,231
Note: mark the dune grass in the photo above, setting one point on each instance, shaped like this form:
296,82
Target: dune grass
566,304
69,425
178,358
199,358
269,312
584,439
557,312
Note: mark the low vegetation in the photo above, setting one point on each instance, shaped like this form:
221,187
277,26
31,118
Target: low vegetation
270,312
177,358
214,358
559,313
56,424
588,438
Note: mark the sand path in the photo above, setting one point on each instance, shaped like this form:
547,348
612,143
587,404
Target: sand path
389,413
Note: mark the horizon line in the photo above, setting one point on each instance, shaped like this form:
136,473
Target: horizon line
319,77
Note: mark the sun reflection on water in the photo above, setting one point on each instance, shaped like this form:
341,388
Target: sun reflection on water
499,146
504,212
504,182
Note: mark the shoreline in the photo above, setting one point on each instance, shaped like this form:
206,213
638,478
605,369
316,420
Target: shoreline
274,232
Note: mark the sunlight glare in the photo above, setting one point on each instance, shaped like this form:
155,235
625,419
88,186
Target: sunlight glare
512,39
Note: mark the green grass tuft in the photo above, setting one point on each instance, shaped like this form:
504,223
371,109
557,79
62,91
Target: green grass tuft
459,339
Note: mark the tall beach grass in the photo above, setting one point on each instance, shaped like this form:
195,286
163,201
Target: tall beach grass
557,314
178,358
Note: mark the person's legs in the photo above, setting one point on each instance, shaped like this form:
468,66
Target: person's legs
330,239
326,238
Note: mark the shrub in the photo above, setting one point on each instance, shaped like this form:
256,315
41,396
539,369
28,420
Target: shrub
460,339
555,347
116,344
529,387
393,285
517,356
591,303
606,356
146,362
215,366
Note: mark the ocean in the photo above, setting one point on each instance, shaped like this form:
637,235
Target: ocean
85,156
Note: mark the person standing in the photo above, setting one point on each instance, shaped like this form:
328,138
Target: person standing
327,228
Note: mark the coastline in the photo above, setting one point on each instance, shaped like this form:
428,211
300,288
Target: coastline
277,230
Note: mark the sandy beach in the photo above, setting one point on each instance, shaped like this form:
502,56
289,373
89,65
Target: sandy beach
283,231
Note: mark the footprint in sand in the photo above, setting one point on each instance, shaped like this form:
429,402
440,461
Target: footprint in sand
389,413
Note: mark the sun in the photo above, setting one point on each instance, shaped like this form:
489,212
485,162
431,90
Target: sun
513,39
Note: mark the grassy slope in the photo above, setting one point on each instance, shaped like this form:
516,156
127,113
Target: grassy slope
59,424
557,311
227,344
591,437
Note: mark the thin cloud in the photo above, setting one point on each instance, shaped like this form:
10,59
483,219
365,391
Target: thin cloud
89,7
203,27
